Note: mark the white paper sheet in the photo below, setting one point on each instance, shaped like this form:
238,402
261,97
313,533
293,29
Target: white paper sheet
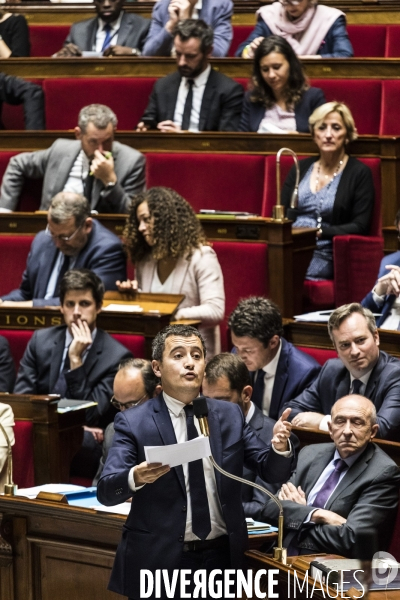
55,488
119,509
177,454
123,308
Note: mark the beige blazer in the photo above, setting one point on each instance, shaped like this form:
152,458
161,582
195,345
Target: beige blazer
7,420
202,282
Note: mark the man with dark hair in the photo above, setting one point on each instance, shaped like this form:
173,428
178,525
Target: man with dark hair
112,32
227,378
106,172
168,13
278,370
134,383
185,517
77,360
361,369
72,239
384,298
196,97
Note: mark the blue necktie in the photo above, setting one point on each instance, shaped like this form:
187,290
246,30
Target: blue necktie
330,484
201,522
60,386
107,28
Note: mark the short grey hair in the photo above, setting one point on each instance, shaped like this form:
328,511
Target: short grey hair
68,204
98,114
343,312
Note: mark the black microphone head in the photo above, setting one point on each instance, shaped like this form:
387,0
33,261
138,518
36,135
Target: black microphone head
200,408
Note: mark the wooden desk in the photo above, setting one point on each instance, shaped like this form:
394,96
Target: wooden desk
56,437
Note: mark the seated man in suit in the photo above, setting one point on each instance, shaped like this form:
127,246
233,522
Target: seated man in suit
164,530
15,91
112,32
134,383
360,369
278,371
227,378
106,172
167,14
77,360
7,367
341,487
7,421
384,298
196,97
71,239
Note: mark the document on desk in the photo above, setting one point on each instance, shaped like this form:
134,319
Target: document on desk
177,454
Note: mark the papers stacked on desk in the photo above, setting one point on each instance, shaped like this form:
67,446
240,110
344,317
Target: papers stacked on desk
258,527
123,308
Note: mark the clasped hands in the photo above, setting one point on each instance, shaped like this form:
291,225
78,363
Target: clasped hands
389,283
178,10
320,516
70,50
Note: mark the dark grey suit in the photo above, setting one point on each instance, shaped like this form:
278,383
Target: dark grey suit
220,108
132,32
7,367
55,164
41,363
367,497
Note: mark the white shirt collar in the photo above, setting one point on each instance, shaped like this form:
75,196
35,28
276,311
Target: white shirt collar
199,5
115,25
350,460
270,368
364,379
200,79
251,412
175,406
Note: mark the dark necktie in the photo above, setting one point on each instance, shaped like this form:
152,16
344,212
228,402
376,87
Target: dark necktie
88,187
356,387
258,388
201,522
108,38
187,111
330,484
60,386
63,270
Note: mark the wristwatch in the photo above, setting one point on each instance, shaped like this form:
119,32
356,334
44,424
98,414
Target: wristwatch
136,52
110,186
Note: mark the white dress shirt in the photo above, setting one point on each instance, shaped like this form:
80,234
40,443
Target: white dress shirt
199,86
269,380
392,321
101,34
78,174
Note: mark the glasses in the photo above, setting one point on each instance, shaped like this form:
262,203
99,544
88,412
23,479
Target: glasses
125,405
61,238
291,2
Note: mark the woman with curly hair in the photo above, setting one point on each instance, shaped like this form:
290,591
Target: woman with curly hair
281,99
167,245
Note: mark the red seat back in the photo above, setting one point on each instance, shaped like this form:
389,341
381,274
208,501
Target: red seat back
210,181
376,223
47,39
368,40
127,97
394,547
321,355
390,101
18,340
14,250
240,34
134,343
269,192
352,92
22,452
392,41
245,270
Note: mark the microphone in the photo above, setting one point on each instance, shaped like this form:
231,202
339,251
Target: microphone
200,410
10,488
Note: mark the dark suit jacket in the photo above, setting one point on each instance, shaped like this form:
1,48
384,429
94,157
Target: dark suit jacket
154,531
220,107
7,367
253,112
40,368
367,497
368,301
15,91
132,32
333,382
354,201
296,371
103,254
254,500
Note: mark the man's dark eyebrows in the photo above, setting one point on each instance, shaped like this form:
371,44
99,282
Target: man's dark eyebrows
182,347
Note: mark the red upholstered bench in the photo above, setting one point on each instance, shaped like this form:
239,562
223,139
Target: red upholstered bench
22,451
245,270
64,98
392,41
47,39
390,101
240,34
14,251
368,40
362,96
134,343
210,181
321,355
18,340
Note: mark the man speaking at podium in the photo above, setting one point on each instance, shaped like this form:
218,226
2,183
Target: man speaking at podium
187,517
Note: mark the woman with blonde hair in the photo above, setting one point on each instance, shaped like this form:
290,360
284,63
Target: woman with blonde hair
336,192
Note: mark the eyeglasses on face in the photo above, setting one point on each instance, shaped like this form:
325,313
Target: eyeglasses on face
125,405
62,238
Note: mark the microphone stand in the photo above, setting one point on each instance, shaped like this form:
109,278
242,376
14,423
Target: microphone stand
10,488
278,212
280,553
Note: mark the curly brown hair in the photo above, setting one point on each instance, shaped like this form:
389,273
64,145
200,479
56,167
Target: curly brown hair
176,230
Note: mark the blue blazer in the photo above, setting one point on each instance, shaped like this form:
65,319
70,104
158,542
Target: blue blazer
333,382
216,13
253,112
153,534
103,254
335,45
368,301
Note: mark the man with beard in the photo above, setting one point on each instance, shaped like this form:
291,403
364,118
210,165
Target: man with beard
196,97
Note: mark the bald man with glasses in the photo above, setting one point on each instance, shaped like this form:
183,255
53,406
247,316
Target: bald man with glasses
72,239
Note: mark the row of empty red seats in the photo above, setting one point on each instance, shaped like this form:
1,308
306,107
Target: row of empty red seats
367,40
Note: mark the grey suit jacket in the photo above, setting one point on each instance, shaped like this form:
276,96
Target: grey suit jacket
55,164
367,497
132,32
